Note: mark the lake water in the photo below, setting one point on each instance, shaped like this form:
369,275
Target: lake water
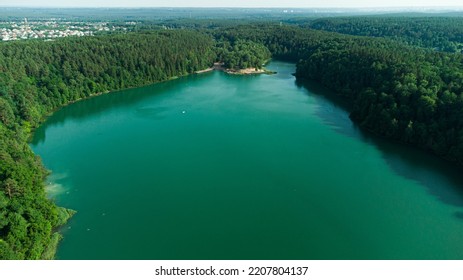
216,166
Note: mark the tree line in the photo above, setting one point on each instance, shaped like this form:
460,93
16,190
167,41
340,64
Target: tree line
435,32
410,94
36,78
406,93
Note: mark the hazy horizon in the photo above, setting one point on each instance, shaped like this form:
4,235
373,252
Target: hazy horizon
359,4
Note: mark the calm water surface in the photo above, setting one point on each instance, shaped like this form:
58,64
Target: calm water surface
215,166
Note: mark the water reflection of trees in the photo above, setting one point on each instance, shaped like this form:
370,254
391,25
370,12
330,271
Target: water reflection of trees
442,179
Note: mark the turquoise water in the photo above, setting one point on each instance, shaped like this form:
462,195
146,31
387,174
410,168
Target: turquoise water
216,166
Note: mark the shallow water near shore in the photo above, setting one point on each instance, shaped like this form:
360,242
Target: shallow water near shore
217,166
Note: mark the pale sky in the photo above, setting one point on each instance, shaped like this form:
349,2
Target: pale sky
233,3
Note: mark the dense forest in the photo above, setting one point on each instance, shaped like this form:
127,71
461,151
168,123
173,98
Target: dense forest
242,54
439,33
397,88
406,93
37,77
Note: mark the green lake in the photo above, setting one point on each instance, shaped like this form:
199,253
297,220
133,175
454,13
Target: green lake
217,166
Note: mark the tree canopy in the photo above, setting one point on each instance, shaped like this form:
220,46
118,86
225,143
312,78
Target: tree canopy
37,77
397,88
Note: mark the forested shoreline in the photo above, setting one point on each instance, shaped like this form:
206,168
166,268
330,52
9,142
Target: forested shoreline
36,78
409,94
406,93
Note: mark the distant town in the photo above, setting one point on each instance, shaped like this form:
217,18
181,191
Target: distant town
51,29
